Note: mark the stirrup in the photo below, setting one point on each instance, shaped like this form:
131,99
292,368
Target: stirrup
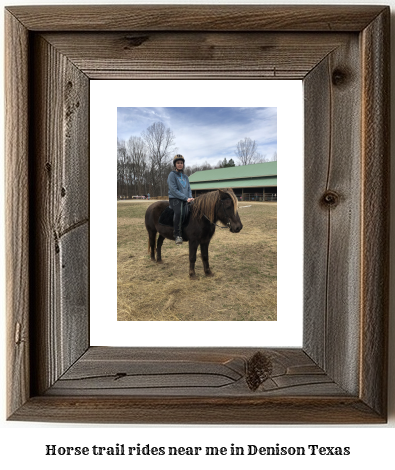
178,241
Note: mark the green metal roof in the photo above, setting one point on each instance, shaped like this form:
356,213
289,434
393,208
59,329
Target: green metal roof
257,170
241,183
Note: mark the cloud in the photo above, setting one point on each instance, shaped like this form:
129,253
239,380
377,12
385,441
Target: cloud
206,134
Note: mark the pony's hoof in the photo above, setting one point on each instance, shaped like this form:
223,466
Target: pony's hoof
209,274
192,277
159,261
153,260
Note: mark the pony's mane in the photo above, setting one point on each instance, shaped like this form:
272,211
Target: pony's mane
205,203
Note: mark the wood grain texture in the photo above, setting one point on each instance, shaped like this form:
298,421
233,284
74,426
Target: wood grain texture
195,55
317,115
17,213
376,211
60,213
332,214
196,17
193,372
191,410
339,376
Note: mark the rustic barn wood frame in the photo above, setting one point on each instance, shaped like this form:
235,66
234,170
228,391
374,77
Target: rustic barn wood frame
340,374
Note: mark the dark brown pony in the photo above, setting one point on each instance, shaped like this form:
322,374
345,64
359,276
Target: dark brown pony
206,211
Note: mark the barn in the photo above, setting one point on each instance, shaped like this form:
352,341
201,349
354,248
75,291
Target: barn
256,182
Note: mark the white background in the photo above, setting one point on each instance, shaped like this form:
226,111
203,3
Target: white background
106,95
23,444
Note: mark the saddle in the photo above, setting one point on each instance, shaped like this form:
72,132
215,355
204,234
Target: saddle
166,217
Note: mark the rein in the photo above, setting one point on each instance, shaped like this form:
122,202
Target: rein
219,226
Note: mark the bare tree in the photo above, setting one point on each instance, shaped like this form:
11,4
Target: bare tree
137,151
189,170
206,166
246,151
264,159
259,158
122,160
160,144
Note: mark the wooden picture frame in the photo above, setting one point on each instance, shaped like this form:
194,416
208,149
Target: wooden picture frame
340,374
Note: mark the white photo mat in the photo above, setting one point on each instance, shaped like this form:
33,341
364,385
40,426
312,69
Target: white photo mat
106,96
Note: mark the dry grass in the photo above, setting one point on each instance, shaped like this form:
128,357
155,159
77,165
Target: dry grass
244,286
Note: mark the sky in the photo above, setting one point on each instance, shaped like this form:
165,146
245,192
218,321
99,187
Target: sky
205,134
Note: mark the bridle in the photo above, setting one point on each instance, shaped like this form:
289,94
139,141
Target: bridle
226,214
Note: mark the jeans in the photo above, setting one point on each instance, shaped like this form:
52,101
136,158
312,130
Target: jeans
177,206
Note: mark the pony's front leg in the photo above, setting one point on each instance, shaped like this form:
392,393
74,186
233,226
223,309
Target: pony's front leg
204,252
192,258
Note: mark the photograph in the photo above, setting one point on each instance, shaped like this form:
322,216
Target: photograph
199,187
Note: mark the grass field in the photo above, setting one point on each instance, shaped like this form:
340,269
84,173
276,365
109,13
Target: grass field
244,286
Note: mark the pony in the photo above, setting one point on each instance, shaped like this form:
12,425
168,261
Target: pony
205,211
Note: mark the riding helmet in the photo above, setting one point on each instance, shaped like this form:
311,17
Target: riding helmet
178,157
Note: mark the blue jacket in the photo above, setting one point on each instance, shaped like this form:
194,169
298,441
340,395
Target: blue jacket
179,187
